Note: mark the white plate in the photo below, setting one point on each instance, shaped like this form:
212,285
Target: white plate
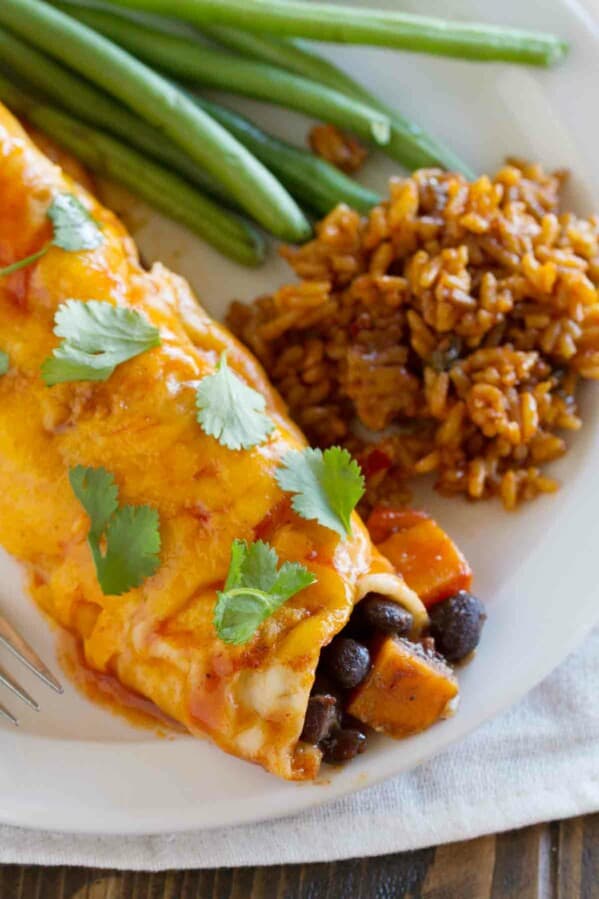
76,767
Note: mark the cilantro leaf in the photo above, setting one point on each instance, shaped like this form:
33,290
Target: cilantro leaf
254,564
129,535
4,362
254,590
73,229
230,410
68,364
97,337
132,547
98,494
327,486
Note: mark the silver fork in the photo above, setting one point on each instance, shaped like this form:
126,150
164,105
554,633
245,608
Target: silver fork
13,641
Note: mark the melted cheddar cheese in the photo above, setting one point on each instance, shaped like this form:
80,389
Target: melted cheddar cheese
141,426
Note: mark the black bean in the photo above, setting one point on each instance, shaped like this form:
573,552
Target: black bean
347,662
323,684
322,715
456,625
349,722
382,614
343,745
355,626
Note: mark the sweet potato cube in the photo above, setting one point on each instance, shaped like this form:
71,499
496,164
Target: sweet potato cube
386,520
429,561
405,692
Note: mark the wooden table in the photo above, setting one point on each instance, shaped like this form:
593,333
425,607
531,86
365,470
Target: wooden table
548,861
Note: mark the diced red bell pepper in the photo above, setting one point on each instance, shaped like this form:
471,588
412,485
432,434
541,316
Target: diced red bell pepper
374,462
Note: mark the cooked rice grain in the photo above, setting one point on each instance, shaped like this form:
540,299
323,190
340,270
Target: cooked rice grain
457,318
342,150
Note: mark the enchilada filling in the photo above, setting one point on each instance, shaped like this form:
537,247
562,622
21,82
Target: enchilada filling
377,673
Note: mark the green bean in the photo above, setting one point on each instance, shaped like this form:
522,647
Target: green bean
164,106
180,56
352,25
163,190
311,180
409,144
97,108
284,52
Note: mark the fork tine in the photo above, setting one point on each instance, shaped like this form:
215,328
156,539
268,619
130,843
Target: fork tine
8,716
17,689
24,652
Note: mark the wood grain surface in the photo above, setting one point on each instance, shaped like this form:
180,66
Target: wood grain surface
548,861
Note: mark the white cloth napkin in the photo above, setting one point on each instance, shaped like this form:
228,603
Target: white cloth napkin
538,761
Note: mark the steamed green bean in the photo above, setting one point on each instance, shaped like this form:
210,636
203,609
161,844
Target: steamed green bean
163,190
408,144
86,102
181,57
164,106
352,25
312,181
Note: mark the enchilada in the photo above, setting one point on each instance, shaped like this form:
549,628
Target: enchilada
139,424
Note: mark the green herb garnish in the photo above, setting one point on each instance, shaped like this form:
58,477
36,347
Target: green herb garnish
254,589
74,230
230,410
97,337
4,362
125,540
327,486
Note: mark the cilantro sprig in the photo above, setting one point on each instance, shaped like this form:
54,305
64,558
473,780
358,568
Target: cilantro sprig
231,411
73,230
327,486
255,589
124,540
97,337
4,363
